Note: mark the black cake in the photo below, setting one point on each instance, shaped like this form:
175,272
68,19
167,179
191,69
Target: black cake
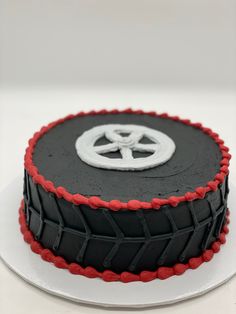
125,195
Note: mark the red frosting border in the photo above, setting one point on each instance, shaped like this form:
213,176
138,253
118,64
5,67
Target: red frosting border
155,203
108,275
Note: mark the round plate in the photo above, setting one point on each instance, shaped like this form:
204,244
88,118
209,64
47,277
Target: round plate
18,257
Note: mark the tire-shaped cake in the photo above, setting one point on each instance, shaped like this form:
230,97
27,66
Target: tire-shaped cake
125,195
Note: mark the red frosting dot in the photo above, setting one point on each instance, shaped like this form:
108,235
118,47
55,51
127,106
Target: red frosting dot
91,272
189,196
147,275
220,177
115,205
219,141
198,125
165,272
23,229
39,179
93,201
69,117
224,162
216,247
60,262
133,205
75,269
213,185
47,255
43,129
128,110
186,121
226,229
109,275
226,155
49,186
222,238
207,255
152,113
21,219
60,191
67,196
164,115
76,199
128,277
156,203
175,118
28,237
113,111
201,192
224,169
224,148
179,269
173,201
36,247
103,111
146,205
139,111
195,262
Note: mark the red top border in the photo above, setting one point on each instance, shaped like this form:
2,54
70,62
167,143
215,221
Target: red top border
115,205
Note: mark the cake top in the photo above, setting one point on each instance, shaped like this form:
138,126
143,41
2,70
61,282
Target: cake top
148,156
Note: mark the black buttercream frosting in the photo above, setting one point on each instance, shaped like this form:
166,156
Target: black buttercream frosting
194,163
126,240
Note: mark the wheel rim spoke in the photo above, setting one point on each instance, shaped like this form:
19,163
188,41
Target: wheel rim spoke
126,153
107,148
145,147
136,136
113,136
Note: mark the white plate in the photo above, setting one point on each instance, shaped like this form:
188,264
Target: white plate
18,257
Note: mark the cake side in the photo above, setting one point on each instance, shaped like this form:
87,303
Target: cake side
108,275
121,241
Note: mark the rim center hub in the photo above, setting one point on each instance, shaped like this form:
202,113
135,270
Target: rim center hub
126,142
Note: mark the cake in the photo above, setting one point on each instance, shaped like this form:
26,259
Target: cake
125,195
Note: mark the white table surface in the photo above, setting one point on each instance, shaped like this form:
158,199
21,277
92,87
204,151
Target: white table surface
23,112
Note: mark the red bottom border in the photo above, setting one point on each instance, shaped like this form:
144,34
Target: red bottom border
108,275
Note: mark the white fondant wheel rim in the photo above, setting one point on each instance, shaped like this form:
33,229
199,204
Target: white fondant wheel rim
28,265
162,147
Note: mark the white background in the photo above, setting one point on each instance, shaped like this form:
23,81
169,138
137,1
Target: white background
170,43
59,57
